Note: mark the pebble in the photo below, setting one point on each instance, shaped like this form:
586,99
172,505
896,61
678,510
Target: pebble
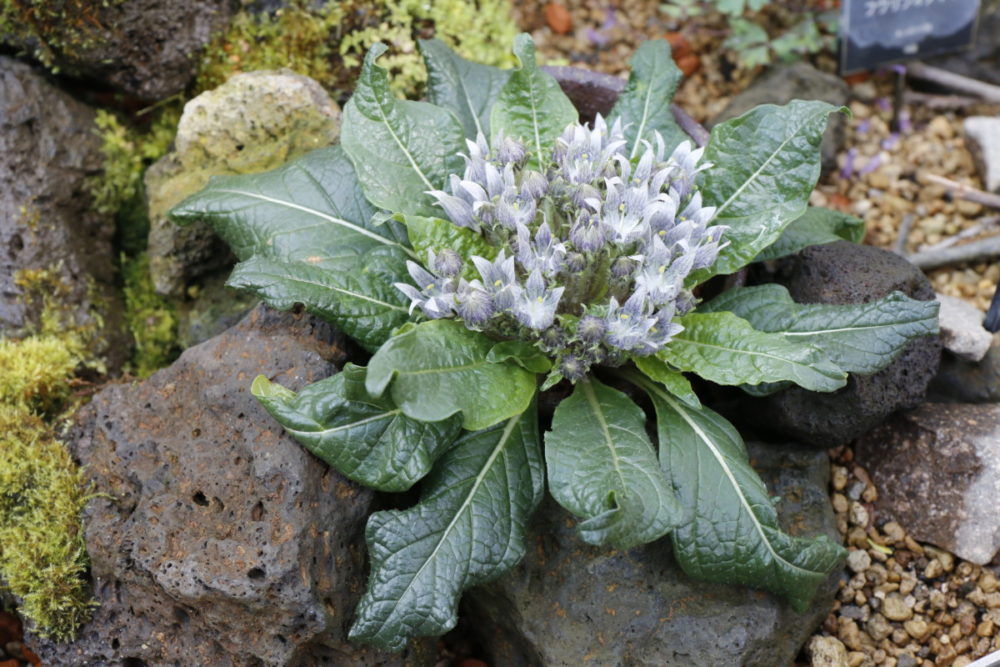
827,652
917,628
858,515
858,560
558,18
895,608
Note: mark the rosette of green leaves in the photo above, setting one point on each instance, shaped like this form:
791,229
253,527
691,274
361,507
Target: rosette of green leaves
454,410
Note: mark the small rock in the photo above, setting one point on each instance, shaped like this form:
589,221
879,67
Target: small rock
878,628
946,455
827,652
893,532
895,608
982,137
962,331
840,503
558,18
917,628
933,569
254,122
963,381
858,515
858,560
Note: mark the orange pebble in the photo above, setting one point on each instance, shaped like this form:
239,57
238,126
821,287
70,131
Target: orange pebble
679,44
558,18
689,64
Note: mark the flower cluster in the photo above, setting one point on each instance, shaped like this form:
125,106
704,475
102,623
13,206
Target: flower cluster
592,247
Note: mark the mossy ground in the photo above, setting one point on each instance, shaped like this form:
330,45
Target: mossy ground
42,492
52,27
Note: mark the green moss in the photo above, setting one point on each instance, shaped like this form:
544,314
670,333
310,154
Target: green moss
54,27
481,31
42,493
151,319
297,37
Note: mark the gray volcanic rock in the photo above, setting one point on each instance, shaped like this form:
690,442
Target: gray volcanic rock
217,539
780,84
145,48
843,273
982,136
48,150
569,603
947,455
964,381
962,331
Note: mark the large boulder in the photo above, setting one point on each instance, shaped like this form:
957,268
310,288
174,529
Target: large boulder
782,83
947,455
844,273
144,48
215,539
254,122
568,603
48,228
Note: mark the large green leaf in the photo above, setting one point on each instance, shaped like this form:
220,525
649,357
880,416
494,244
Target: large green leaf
401,149
644,105
436,234
465,87
439,368
602,468
310,210
357,295
467,529
733,536
816,226
859,338
366,438
673,381
766,162
531,106
725,349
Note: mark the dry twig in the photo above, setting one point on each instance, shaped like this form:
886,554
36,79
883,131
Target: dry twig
957,82
977,251
961,190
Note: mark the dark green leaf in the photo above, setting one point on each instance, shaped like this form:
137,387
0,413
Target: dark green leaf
439,368
467,529
725,349
356,294
435,234
465,87
366,438
525,355
766,162
602,468
733,536
531,106
859,338
673,381
310,210
815,227
644,105
401,149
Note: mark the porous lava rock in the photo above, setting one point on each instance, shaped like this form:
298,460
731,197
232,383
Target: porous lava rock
215,539
964,381
48,151
845,273
254,122
947,455
143,48
569,603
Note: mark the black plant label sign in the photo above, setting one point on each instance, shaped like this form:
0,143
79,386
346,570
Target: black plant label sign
877,32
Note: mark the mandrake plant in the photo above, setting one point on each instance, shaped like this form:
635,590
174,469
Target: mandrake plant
486,246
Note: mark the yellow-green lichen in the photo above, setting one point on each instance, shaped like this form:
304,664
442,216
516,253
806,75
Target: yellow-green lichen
42,492
480,31
151,319
54,27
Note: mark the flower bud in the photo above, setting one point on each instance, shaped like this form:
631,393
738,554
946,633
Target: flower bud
511,151
575,262
590,329
553,338
572,367
623,267
447,263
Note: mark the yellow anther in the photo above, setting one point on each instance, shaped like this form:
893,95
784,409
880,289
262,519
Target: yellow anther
497,282
429,286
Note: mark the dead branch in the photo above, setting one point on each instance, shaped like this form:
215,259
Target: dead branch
961,190
957,82
939,102
977,251
981,225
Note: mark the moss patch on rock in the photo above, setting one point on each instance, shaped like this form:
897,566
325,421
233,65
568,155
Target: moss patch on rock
51,27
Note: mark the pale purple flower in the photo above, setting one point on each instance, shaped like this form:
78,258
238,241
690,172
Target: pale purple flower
536,304
499,280
544,253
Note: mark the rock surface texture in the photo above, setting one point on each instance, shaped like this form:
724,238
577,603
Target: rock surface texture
223,542
145,48
937,469
962,331
982,136
48,150
780,84
254,122
569,603
842,273
964,381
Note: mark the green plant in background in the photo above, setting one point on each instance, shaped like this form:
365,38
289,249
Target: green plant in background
42,492
810,31
479,31
152,320
485,246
